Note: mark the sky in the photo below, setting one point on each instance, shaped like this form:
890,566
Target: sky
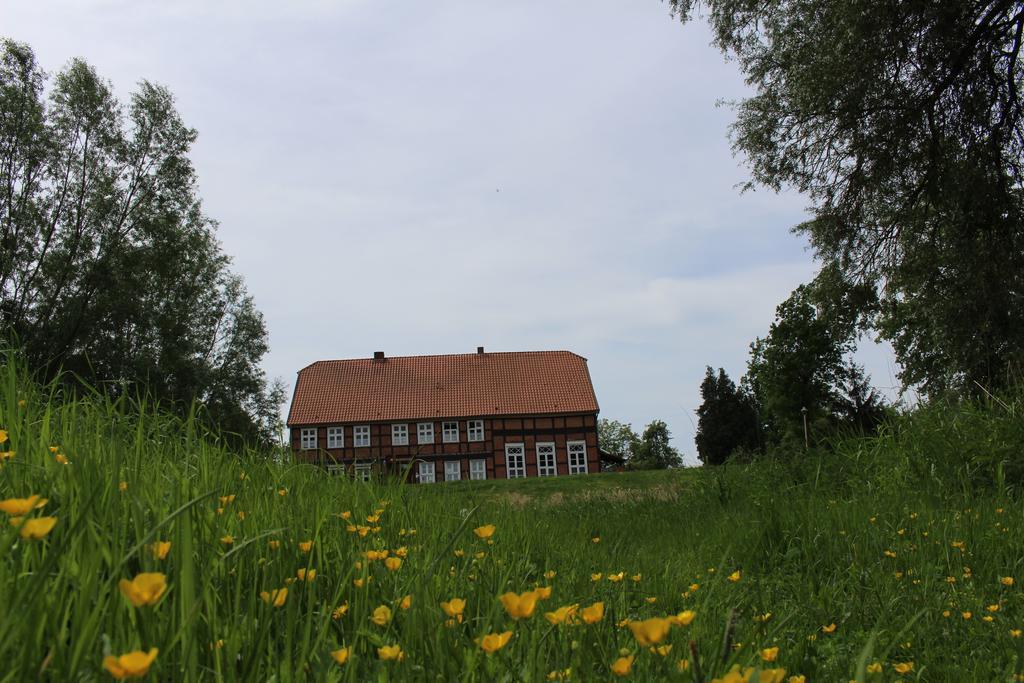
426,178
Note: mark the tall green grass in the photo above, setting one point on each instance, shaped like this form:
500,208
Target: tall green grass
808,535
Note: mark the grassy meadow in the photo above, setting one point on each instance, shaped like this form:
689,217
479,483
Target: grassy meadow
895,558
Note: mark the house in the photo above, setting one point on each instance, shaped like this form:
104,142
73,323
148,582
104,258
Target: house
462,416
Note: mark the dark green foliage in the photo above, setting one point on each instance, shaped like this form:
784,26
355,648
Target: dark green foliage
109,268
653,451
902,123
616,438
727,419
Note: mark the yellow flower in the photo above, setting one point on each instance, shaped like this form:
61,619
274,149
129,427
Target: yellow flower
769,654
144,589
227,500
305,546
966,615
402,552
993,608
889,553
62,459
35,528
735,576
393,563
637,577
282,492
405,602
662,650
563,615
595,539
684,618
799,678
19,507
560,675
480,555
519,606
160,549
596,577
594,613
242,514
874,668
373,519
622,666
683,665
359,583
339,611
903,667
347,514
493,642
988,618
831,628
454,608
227,540
763,618
1015,633
306,574
133,664
550,574
615,578
485,531
340,655
1006,580
459,552
390,652
650,631
122,486
275,597
381,615
3,435
274,544
651,600
543,592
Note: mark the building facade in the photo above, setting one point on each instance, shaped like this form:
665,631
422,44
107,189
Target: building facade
448,418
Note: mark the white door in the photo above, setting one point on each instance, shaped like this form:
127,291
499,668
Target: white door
515,460
452,470
426,472
477,469
577,457
546,460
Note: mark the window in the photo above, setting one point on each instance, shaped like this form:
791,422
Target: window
399,435
335,437
452,470
515,460
426,472
361,434
307,438
477,469
475,429
425,432
335,468
450,432
546,460
364,471
577,457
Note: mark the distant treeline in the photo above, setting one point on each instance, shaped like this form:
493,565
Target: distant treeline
109,269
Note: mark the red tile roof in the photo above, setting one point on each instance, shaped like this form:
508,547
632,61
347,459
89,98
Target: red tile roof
463,385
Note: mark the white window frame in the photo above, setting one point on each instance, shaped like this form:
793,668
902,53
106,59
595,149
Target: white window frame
400,435
477,469
547,468
361,436
518,471
335,437
475,430
336,468
363,471
452,470
426,472
575,450
449,435
424,432
307,438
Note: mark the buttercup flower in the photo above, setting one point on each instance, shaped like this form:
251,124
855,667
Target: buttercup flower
662,650
519,606
36,528
273,544
1006,580
133,664
831,628
874,668
305,546
596,577
227,539
19,507
454,608
622,666
543,592
485,531
339,611
306,574
615,578
340,655
144,589
649,631
381,615
493,642
390,652
769,654
405,603
594,613
160,549
684,618
275,597
393,563
903,667
563,615
735,576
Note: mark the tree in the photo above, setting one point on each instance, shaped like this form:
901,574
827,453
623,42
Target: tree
109,269
727,419
902,123
616,438
654,451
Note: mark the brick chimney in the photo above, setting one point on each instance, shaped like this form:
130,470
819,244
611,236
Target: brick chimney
378,355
